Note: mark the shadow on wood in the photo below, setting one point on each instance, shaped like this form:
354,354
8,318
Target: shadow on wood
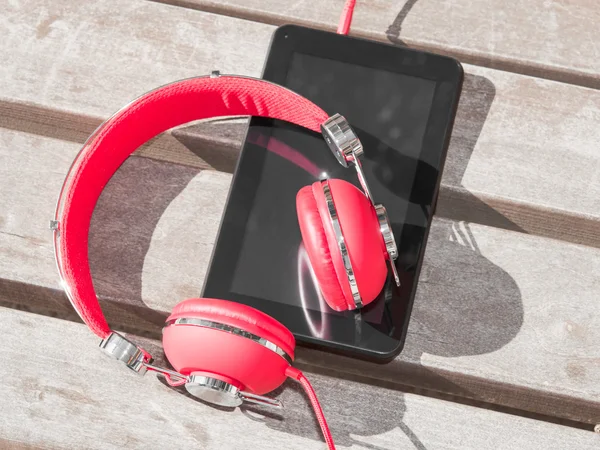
393,32
123,225
348,413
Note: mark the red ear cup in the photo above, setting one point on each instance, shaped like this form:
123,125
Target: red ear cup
229,341
363,239
239,316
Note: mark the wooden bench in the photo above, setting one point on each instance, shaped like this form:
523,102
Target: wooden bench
505,311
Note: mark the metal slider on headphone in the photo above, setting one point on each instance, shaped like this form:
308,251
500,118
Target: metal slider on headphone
135,358
342,140
347,149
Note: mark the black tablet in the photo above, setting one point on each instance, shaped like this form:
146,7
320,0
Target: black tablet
401,103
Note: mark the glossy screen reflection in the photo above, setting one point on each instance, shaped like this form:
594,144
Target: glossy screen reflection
389,113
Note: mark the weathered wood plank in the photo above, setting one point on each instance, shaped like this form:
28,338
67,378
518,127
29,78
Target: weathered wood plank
500,316
548,39
62,393
522,155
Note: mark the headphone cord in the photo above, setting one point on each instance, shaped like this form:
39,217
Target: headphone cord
294,373
346,17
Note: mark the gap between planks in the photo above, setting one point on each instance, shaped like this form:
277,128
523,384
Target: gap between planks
96,384
474,57
145,324
148,339
216,145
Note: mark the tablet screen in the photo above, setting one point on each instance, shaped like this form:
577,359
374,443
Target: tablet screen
392,109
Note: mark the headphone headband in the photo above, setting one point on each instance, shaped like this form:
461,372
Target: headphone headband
151,114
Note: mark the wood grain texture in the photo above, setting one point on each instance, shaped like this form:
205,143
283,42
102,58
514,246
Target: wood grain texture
63,393
500,316
6,444
549,39
522,156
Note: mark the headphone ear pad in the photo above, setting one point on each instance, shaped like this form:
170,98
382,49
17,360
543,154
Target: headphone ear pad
223,353
362,236
316,242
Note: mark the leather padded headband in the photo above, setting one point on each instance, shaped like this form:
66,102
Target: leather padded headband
117,138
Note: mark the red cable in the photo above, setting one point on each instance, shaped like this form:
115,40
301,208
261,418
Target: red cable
346,17
294,373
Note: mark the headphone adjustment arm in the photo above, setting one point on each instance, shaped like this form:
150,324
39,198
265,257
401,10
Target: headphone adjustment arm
342,140
134,357
260,400
362,179
173,378
346,147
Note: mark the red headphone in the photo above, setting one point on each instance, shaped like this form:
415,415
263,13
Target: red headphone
348,240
